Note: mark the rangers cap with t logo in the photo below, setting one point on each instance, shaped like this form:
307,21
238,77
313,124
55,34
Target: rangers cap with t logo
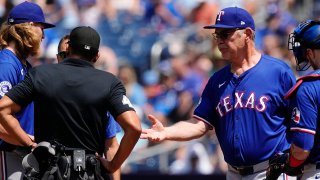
232,18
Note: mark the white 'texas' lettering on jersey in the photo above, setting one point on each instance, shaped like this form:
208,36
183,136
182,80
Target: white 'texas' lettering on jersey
252,102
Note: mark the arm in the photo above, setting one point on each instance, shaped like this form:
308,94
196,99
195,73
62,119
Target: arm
181,131
111,146
131,126
297,155
13,133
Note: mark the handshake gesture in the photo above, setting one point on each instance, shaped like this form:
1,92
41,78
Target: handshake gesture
280,164
156,133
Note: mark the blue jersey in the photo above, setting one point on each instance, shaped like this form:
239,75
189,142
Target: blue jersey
248,112
112,127
12,71
305,120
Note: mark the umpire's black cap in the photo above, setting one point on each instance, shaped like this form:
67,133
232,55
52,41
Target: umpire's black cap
85,38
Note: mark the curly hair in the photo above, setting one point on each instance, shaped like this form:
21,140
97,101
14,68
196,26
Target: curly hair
27,41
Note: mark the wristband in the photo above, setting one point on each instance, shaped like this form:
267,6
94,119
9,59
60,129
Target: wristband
293,162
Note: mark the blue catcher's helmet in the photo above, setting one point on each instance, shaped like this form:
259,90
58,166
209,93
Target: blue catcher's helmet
305,35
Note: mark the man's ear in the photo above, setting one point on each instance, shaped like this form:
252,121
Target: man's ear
309,54
68,48
249,33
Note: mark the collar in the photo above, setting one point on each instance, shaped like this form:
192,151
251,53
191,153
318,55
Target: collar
77,62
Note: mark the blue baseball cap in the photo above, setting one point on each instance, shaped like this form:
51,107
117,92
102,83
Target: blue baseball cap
27,12
232,18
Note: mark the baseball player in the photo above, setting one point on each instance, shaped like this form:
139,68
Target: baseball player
305,125
20,38
243,102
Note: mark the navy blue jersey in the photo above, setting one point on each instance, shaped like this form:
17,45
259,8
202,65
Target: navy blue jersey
248,112
305,119
12,71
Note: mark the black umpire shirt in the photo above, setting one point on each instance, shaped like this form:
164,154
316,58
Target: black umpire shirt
71,100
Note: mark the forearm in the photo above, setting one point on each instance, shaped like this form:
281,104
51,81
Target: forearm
185,130
13,133
127,144
298,153
294,164
6,136
112,147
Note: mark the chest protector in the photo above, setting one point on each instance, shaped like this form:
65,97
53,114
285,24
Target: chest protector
310,77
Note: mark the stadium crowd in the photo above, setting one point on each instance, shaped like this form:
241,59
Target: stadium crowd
164,57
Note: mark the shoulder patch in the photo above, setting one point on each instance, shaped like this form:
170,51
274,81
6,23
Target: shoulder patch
5,86
295,115
126,101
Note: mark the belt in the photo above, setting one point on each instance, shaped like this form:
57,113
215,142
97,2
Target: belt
247,170
69,151
244,171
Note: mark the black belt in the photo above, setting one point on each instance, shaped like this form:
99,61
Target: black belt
69,151
244,171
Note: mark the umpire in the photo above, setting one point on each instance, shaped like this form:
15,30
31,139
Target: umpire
71,99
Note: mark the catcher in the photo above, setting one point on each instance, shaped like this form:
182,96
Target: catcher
304,157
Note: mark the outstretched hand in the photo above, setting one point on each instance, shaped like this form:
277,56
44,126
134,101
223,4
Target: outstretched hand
156,133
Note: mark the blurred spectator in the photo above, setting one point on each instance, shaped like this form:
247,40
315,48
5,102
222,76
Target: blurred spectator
188,85
89,12
272,46
278,22
162,14
5,7
162,97
187,79
192,159
107,60
204,12
134,90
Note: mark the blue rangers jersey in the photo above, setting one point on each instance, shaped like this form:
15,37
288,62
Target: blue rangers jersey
248,111
112,127
305,117
12,71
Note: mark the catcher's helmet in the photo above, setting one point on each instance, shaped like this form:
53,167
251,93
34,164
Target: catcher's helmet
305,35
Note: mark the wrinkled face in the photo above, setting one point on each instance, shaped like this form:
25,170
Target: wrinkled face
230,42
